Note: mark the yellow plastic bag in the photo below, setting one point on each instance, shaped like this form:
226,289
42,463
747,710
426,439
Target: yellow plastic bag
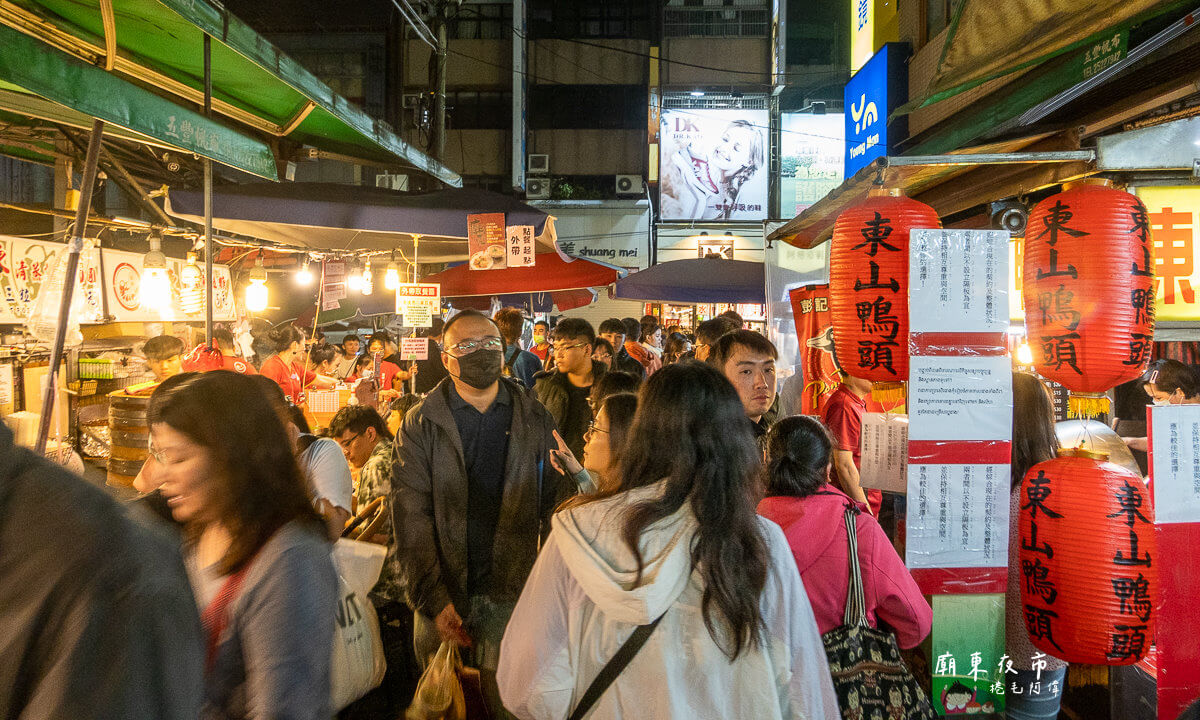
439,694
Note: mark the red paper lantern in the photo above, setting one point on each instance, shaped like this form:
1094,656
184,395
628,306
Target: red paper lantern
868,284
1088,285
1087,576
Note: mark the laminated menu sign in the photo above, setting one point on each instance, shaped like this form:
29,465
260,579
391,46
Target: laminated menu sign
487,242
951,513
333,281
884,449
959,280
520,246
1175,437
414,348
960,398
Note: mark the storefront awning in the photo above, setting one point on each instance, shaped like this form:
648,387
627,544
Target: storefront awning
700,280
919,176
159,44
551,273
328,217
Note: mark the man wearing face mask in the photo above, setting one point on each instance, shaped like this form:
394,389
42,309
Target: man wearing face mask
472,494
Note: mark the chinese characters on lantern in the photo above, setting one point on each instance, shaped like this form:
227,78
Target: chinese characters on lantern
875,314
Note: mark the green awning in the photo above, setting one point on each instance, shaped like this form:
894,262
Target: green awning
30,66
159,43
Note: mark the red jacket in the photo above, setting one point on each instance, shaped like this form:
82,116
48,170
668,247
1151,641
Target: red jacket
816,531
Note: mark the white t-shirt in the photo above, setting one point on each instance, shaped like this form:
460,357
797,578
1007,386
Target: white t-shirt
324,466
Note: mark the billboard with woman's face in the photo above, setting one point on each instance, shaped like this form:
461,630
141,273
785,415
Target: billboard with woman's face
713,165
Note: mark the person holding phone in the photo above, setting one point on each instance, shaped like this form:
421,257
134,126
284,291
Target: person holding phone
602,444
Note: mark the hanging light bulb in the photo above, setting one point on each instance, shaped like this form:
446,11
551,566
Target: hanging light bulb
256,291
304,276
154,293
191,287
355,281
1024,354
368,280
391,279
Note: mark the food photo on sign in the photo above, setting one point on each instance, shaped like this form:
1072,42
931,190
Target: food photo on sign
713,164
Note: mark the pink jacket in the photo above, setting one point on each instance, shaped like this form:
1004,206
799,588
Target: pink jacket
816,531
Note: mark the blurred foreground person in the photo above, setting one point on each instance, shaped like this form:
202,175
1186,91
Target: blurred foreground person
96,616
675,558
255,549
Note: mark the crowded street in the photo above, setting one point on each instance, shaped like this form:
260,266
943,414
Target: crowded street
566,360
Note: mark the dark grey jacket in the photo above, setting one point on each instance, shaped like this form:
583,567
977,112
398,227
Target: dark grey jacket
429,501
552,390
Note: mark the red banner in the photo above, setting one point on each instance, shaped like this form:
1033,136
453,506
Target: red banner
814,332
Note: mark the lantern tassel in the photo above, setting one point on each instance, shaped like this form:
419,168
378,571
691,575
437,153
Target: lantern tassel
1087,405
889,394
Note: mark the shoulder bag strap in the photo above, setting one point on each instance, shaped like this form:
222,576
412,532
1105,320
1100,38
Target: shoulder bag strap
856,610
613,668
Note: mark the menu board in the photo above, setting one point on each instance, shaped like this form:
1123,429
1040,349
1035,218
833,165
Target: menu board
521,250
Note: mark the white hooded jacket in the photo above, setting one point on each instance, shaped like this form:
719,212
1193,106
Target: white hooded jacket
580,604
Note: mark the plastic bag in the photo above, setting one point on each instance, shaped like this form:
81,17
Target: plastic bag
43,314
358,662
439,694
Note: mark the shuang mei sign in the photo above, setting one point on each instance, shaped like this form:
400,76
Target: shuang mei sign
870,97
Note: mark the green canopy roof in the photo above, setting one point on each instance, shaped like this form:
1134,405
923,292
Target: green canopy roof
158,44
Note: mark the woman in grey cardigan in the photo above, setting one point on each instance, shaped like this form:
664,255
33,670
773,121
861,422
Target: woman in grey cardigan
256,553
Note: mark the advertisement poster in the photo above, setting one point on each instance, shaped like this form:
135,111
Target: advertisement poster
521,251
486,241
713,164
813,156
970,669
814,334
1174,222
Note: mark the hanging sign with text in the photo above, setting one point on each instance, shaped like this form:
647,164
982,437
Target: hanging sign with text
418,303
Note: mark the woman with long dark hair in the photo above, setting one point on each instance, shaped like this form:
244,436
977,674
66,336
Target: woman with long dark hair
286,364
1033,442
812,515
675,546
255,552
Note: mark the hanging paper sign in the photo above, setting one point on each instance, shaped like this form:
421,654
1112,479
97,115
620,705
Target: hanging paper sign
520,246
960,412
1175,457
414,348
959,280
814,334
418,303
328,303
486,241
884,447
333,280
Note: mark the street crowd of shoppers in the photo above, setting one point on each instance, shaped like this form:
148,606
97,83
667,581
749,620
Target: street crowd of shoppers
623,491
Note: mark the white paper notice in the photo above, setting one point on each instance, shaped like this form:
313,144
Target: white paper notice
414,348
957,516
7,389
960,398
958,281
328,303
1176,441
520,246
418,303
884,448
333,280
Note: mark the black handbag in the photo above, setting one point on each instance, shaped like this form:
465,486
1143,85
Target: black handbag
869,676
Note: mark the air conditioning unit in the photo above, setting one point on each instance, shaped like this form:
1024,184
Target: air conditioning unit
538,164
412,101
537,188
392,182
629,184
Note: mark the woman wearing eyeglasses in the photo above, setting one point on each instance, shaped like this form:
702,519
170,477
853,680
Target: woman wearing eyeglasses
602,443
255,550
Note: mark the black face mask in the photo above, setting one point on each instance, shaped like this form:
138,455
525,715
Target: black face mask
481,369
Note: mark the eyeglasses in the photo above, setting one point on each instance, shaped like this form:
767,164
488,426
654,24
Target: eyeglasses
560,348
345,443
157,455
466,347
593,429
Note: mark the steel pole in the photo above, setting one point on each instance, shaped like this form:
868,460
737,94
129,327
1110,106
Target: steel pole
208,202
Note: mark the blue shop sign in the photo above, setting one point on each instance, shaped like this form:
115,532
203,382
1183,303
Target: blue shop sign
871,95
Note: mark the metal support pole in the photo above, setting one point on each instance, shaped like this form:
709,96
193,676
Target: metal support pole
208,203
74,246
